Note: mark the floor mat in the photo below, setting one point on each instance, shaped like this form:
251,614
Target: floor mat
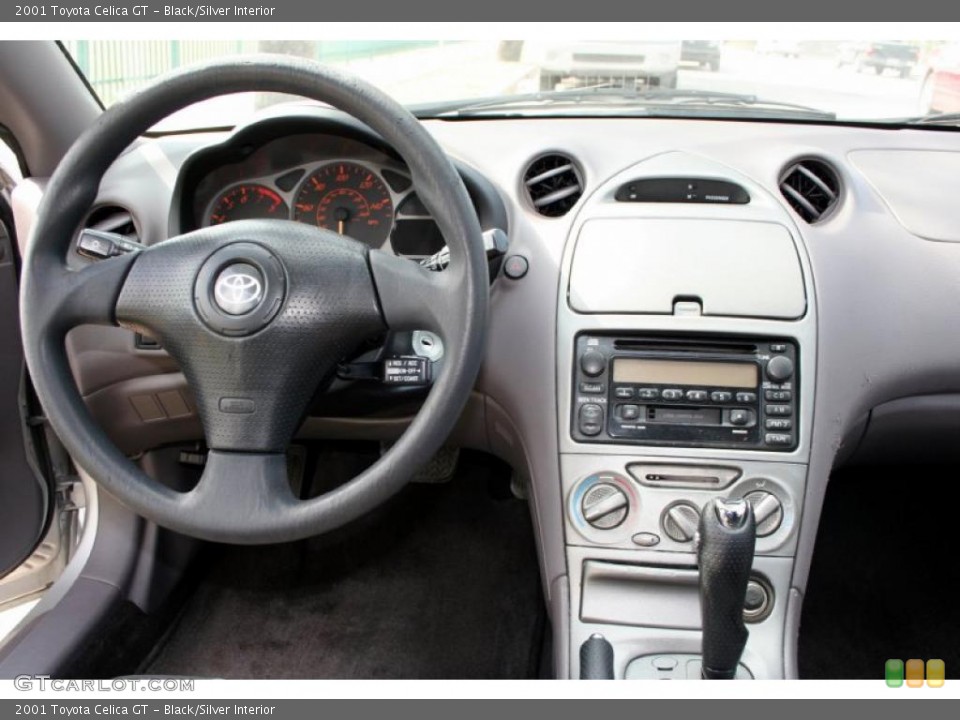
441,582
884,575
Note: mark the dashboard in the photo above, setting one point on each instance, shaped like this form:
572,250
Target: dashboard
859,293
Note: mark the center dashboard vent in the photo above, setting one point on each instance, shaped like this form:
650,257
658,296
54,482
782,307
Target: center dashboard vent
554,184
812,187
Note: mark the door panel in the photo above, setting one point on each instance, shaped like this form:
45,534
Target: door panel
25,498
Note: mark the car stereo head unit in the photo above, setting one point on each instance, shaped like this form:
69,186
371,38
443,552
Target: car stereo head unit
686,392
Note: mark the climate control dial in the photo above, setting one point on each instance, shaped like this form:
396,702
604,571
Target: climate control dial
604,506
680,521
767,510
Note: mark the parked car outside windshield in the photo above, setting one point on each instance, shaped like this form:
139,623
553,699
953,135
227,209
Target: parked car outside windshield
863,81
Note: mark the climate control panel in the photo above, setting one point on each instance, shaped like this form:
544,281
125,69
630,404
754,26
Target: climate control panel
656,505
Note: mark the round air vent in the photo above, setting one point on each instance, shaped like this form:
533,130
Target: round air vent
553,184
812,187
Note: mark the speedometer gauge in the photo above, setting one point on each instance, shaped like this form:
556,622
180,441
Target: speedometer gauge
349,199
245,202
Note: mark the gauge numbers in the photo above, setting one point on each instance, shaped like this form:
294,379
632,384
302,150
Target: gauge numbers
247,201
348,199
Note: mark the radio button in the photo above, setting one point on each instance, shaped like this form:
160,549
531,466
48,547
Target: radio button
624,393
591,419
746,397
778,348
778,410
697,395
592,388
741,417
721,396
672,394
593,363
648,393
629,412
778,424
778,395
778,438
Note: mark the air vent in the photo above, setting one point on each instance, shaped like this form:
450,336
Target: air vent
553,184
112,219
812,188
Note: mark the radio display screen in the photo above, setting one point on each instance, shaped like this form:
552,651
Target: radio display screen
639,371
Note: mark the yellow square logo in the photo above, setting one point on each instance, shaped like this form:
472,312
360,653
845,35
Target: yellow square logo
936,673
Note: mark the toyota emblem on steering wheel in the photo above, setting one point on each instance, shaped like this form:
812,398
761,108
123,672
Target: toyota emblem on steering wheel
238,289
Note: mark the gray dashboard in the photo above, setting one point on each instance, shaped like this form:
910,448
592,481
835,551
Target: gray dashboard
871,301
881,305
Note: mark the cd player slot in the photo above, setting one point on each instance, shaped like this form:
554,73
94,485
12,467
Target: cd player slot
681,346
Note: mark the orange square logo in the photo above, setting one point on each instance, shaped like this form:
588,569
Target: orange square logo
914,673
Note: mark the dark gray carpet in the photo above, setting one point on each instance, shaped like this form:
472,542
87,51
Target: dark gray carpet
884,575
441,582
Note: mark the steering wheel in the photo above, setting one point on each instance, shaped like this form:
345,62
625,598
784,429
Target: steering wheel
255,312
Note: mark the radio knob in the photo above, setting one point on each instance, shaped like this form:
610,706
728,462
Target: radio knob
593,363
780,368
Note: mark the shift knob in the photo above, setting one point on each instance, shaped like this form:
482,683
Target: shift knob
727,536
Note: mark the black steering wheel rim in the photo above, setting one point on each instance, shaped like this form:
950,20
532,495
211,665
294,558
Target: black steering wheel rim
240,499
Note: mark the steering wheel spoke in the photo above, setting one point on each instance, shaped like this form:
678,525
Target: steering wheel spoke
241,492
87,296
413,298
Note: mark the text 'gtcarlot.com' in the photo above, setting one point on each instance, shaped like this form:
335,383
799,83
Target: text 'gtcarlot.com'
45,683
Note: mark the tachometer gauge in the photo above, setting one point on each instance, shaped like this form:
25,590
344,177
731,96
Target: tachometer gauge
349,199
245,202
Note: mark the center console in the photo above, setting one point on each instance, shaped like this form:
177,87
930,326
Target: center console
686,370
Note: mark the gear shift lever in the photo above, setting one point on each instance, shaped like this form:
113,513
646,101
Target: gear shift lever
727,535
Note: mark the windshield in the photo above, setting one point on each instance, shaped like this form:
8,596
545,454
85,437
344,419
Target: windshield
886,80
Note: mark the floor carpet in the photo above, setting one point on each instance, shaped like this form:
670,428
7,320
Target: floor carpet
885,574
441,582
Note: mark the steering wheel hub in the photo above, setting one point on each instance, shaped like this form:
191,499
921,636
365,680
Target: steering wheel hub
240,288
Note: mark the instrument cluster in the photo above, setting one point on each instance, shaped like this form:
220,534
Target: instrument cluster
333,183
